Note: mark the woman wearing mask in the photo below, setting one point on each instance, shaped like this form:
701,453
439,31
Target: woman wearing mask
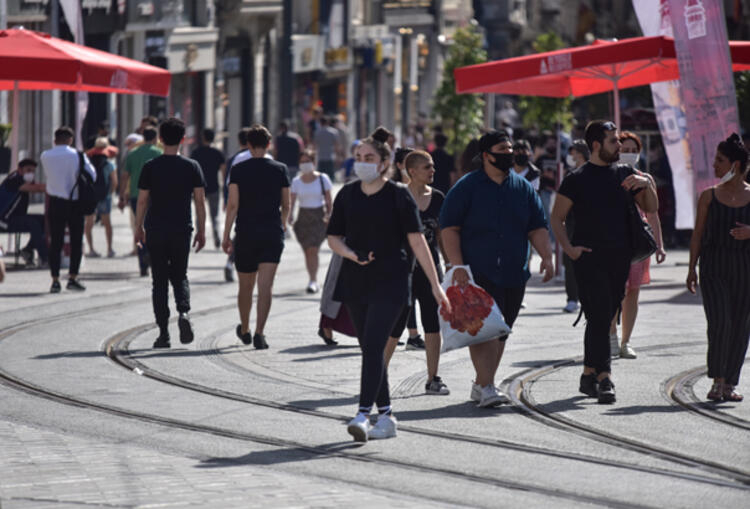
375,227
721,240
639,272
313,190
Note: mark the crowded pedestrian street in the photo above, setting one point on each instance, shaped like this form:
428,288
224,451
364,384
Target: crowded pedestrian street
91,415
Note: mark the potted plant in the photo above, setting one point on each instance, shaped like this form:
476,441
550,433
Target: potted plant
4,151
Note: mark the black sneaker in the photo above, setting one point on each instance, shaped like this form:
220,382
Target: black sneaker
73,284
329,341
259,342
186,329
415,343
588,385
606,391
162,341
55,288
144,271
246,338
436,386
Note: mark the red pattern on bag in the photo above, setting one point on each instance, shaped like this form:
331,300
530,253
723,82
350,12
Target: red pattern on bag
470,307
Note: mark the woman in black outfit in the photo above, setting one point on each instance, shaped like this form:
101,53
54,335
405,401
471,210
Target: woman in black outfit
380,222
421,170
721,239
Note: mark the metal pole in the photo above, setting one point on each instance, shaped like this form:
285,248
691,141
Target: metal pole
616,91
286,74
4,93
14,130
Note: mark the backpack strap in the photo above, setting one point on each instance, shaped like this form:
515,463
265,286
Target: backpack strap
80,171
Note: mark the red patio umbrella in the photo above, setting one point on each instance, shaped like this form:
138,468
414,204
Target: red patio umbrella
600,67
32,60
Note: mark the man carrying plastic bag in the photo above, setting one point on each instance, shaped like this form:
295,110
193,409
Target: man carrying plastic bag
487,221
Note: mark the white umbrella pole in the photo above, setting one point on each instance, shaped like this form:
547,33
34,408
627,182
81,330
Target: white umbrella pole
14,130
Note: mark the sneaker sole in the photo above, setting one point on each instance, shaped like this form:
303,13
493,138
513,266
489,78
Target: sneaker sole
412,347
606,399
437,393
162,345
592,394
358,433
494,402
186,332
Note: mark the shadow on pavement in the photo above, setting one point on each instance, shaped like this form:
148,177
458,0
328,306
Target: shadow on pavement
644,409
324,402
34,294
564,405
536,364
467,409
277,456
60,355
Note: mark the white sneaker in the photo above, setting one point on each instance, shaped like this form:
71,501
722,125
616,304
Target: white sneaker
614,346
571,307
385,427
476,392
312,287
627,352
491,397
359,428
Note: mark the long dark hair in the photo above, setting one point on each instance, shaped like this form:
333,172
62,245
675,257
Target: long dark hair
399,158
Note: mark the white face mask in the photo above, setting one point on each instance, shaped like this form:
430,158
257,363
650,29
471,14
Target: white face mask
306,168
571,162
28,177
366,172
629,158
727,176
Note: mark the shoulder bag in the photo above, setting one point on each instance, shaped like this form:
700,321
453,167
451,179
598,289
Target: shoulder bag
642,241
87,199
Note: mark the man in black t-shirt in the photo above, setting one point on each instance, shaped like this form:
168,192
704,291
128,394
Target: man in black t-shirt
165,188
444,164
288,147
259,200
600,248
212,164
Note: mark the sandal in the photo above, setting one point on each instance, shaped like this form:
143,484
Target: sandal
731,395
716,393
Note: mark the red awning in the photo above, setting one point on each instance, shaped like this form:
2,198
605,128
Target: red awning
37,61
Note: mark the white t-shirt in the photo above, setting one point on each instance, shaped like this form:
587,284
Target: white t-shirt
245,155
310,195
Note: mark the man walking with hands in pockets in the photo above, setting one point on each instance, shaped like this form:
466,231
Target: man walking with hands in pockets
487,221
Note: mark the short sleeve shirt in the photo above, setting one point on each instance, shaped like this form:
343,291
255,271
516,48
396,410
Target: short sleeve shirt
135,161
495,221
259,181
377,223
311,194
170,180
430,218
210,160
599,206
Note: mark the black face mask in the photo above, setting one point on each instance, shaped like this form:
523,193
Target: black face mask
521,159
502,161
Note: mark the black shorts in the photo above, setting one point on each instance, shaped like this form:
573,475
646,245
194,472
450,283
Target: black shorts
509,300
420,291
250,251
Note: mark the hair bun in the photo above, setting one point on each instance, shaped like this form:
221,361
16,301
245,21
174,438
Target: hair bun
735,138
381,134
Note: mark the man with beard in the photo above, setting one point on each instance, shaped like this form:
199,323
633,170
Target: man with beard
600,248
487,221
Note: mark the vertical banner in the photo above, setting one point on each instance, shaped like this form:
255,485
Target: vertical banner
655,19
74,18
707,83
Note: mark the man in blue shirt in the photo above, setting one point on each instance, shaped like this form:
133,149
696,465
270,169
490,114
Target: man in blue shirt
487,221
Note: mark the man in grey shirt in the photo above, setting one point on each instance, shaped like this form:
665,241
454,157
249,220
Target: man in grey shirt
326,141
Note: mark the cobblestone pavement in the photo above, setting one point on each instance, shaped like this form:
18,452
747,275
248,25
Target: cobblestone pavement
273,435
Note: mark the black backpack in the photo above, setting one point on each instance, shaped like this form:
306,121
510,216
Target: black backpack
99,161
86,202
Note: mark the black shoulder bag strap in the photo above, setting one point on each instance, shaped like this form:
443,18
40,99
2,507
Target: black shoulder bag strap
80,171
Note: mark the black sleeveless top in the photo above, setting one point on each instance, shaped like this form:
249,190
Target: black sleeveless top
722,218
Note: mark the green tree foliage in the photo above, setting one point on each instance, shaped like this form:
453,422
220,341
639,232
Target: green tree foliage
461,115
546,112
742,87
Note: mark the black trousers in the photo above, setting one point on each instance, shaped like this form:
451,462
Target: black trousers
725,287
34,224
601,276
169,252
64,213
508,300
374,320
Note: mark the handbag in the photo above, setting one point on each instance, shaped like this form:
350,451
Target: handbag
87,199
642,241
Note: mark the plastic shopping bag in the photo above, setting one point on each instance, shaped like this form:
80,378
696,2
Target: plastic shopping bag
475,317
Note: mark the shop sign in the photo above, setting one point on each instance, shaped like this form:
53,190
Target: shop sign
308,53
338,58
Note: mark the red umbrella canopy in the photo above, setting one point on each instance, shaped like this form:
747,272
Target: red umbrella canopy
584,70
38,61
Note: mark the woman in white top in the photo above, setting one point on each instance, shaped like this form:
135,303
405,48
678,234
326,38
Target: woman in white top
313,190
